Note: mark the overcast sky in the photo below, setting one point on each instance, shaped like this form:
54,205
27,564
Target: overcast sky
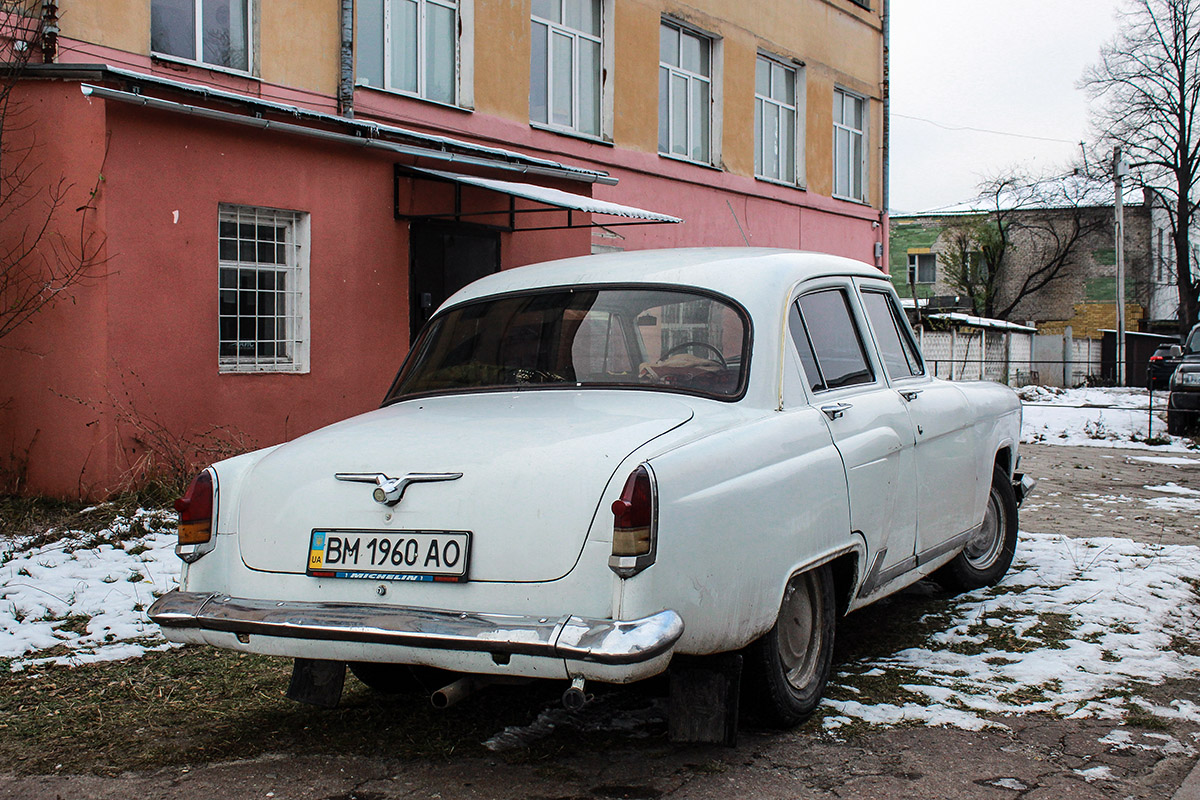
1010,67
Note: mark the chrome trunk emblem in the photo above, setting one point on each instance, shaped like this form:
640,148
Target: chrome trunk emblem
390,491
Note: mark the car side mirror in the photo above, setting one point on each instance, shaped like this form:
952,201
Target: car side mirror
1176,351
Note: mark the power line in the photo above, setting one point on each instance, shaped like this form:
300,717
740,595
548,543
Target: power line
982,130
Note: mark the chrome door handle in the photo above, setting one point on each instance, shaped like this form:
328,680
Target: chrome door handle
910,394
835,410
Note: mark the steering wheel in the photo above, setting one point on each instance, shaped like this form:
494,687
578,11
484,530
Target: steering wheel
703,345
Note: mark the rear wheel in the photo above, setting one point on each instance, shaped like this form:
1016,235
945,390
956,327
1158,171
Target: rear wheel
989,552
787,668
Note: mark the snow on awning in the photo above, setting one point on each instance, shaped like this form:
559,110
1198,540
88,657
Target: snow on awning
552,200
983,322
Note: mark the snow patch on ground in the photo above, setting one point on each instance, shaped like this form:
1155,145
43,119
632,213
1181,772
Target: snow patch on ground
1173,488
76,601
1113,417
1170,461
1092,774
1074,625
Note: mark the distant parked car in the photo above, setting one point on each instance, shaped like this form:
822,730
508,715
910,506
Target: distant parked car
1162,364
587,467
1183,404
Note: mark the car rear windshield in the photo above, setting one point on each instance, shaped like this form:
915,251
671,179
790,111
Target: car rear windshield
669,339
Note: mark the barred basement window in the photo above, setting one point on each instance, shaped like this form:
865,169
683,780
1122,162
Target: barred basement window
263,313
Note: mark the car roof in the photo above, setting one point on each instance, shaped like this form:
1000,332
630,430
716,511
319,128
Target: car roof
750,275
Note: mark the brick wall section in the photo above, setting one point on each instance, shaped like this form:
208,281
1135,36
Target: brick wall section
1083,296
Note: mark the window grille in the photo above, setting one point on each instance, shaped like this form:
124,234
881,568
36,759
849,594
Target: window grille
262,291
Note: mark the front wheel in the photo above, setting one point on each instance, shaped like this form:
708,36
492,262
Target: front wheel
989,552
787,668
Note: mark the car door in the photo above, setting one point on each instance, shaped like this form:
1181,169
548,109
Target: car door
946,472
868,421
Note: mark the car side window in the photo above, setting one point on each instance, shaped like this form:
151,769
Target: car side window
900,356
834,340
804,348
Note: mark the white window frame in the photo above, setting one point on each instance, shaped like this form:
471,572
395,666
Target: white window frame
605,68
840,95
197,56
291,322
464,47
713,117
914,269
799,97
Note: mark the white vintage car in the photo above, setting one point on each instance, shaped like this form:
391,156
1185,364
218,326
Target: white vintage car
587,467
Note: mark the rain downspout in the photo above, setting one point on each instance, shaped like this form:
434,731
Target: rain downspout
346,62
885,90
50,31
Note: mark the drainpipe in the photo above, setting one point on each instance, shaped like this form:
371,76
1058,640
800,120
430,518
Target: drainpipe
885,91
346,62
49,31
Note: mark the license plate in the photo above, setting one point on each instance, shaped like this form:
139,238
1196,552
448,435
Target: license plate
390,555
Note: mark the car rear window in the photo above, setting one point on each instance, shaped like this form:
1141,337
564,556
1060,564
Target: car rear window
675,340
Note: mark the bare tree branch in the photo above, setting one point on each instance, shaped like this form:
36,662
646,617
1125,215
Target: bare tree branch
47,248
1025,237
1148,85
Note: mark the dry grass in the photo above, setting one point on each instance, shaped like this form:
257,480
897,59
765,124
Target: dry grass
198,704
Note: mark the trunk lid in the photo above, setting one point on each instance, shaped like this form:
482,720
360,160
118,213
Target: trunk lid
534,466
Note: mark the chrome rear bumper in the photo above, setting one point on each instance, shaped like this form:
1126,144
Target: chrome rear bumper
602,641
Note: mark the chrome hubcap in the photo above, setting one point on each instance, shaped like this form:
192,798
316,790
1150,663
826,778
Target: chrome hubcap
799,633
984,547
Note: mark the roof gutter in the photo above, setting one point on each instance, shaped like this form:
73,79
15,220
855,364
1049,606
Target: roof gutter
368,142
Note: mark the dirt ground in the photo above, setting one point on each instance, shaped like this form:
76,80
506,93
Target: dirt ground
1082,492
1101,491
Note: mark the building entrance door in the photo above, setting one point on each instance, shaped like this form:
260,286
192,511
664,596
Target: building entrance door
445,258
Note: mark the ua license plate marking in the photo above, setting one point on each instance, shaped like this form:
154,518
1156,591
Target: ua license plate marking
390,555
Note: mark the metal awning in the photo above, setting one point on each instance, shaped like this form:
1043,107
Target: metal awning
550,201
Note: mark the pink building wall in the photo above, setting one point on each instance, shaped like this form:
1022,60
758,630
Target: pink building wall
143,336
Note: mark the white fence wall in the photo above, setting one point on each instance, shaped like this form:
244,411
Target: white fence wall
1013,357
971,354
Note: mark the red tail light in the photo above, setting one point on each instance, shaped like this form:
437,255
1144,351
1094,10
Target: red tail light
633,516
1156,358
195,510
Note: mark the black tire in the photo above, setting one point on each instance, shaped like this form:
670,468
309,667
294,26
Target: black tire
400,678
786,669
1175,422
989,553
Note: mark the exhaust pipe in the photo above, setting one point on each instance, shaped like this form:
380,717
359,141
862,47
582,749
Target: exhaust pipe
574,698
452,693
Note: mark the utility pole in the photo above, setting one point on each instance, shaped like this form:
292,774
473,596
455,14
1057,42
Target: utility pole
1120,170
